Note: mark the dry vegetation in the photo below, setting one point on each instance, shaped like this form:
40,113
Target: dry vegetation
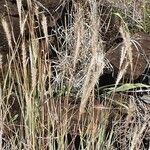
75,75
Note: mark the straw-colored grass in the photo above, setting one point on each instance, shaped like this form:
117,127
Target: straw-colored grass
45,99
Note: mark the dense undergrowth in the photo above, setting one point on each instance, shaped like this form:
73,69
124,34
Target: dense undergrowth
59,91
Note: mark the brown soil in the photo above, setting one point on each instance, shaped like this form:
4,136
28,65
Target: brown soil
140,53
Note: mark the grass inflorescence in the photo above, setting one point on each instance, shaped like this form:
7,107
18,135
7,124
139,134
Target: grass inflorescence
51,94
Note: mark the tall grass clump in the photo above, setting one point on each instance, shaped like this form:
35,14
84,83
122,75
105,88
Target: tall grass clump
48,96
